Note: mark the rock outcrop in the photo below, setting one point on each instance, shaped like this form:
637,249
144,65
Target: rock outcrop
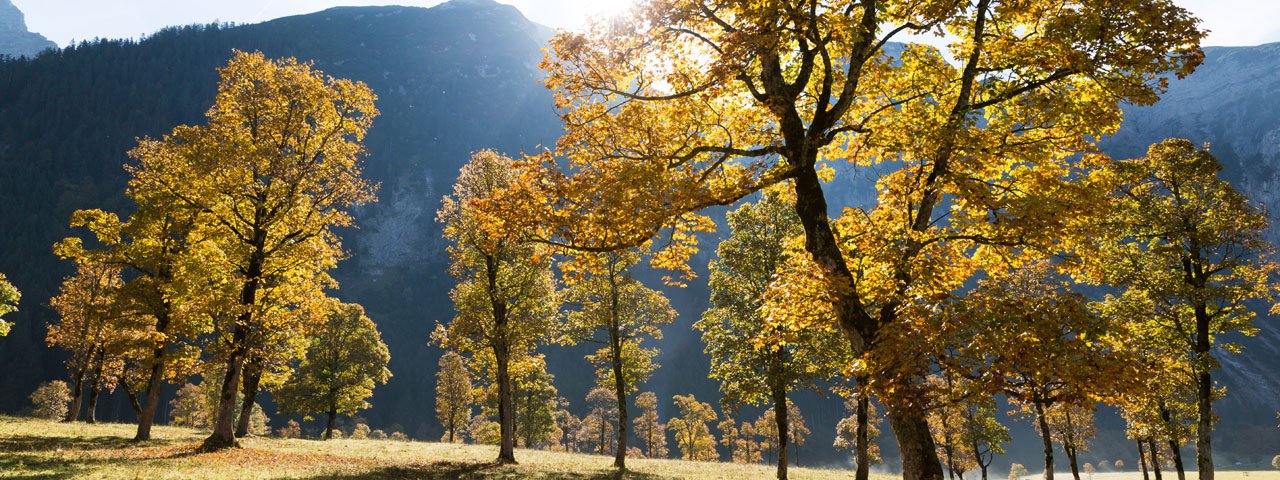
15,39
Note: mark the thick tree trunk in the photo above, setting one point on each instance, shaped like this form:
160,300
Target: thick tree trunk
1155,458
252,379
95,389
328,426
506,419
1048,442
77,393
780,420
1142,459
1204,401
223,435
915,444
862,450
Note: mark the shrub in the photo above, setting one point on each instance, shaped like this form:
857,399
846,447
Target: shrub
50,400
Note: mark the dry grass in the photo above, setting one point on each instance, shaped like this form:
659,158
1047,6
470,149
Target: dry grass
31,448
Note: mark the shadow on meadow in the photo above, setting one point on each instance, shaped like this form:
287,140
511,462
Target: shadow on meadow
74,457
461,470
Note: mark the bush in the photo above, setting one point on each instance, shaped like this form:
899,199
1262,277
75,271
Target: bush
377,435
1017,471
290,430
1275,461
360,432
398,436
1119,464
50,400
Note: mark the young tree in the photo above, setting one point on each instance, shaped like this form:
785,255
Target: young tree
9,297
691,104
747,448
505,297
1189,252
753,367
618,311
50,400
1017,471
345,360
453,395
190,407
858,432
651,432
290,430
984,436
948,424
798,431
692,428
272,172
1071,426
604,411
535,399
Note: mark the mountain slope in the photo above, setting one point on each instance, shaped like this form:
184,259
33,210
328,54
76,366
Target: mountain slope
15,40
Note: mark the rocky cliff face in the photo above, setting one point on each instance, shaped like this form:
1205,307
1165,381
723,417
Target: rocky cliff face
15,40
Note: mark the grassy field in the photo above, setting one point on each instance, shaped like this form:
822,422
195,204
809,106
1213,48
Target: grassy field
31,448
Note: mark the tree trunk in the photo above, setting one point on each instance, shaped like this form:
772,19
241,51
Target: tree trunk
133,402
619,380
1071,459
1174,448
780,420
252,380
915,444
1204,400
1048,443
862,450
1155,457
77,392
155,377
95,388
1142,459
506,419
224,435
328,426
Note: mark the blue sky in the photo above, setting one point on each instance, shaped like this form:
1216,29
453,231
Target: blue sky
1231,22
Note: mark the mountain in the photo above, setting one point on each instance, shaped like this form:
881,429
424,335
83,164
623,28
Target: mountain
15,40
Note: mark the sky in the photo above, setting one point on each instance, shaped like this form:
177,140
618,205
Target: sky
1231,22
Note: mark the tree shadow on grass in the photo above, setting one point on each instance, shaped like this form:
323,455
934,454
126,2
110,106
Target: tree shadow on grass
67,457
481,471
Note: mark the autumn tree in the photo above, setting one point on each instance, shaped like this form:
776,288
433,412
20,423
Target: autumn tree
688,104
983,435
1190,254
173,288
535,398
748,361
453,395
505,297
648,427
345,360
190,407
600,417
858,432
9,297
1031,337
692,428
272,171
616,310
50,400
89,328
1071,425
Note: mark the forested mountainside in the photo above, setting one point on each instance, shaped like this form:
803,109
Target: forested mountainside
453,79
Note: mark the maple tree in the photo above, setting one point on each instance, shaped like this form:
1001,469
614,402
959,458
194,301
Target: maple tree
749,361
694,103
9,296
190,407
858,432
692,428
1072,426
1028,335
453,395
1188,250
648,427
90,327
505,297
344,361
272,172
616,310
